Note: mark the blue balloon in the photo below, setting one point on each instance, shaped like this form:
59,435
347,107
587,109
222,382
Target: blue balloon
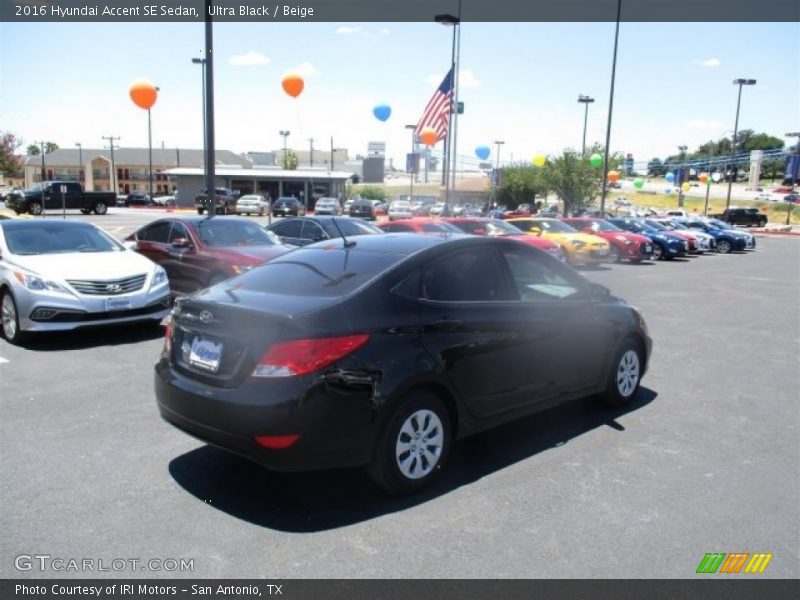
670,177
382,112
668,190
483,152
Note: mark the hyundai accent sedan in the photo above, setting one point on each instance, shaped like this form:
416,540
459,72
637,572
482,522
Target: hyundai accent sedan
57,275
383,350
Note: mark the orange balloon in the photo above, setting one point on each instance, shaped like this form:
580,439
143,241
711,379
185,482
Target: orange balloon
293,84
428,136
613,176
143,93
703,177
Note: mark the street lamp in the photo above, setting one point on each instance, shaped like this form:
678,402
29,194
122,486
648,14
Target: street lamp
585,100
604,187
285,134
202,62
413,168
497,169
795,167
740,83
683,150
80,161
450,141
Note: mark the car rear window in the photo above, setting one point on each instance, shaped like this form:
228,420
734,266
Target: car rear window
318,272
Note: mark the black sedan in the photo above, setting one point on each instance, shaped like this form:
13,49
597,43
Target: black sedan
284,207
383,350
302,231
363,209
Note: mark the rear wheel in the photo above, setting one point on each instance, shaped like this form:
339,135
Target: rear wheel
36,208
10,319
100,208
614,255
658,252
625,375
413,444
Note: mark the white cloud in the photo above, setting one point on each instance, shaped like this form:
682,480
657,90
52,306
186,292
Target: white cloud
384,31
704,124
249,59
305,69
709,62
467,79
345,30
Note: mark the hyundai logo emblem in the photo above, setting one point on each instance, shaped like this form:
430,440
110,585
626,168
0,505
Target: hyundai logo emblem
206,317
113,288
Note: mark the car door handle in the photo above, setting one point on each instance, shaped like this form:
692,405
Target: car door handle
445,324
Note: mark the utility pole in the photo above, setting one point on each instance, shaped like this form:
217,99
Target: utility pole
683,150
790,205
44,173
311,153
111,140
331,153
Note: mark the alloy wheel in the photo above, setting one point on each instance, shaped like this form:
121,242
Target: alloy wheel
9,317
419,444
628,373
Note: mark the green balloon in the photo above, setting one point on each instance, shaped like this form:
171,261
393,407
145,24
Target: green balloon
639,183
595,160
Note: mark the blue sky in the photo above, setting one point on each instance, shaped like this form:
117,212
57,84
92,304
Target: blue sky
520,81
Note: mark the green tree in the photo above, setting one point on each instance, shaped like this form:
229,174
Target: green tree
35,149
290,160
10,162
771,168
522,183
573,180
371,192
656,168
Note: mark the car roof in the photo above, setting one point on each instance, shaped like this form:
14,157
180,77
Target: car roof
25,224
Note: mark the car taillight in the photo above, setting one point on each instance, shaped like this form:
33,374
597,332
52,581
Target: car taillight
168,336
300,357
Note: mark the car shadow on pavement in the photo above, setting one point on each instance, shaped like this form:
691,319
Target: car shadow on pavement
324,500
80,339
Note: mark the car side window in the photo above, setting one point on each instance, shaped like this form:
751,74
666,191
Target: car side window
397,227
312,231
467,276
178,231
289,228
535,279
157,233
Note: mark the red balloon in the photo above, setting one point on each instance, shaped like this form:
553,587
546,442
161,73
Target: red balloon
143,93
428,136
293,84
613,176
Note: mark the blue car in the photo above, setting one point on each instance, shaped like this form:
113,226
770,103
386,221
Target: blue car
666,246
748,237
727,240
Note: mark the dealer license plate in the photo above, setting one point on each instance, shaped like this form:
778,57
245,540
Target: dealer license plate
205,355
117,304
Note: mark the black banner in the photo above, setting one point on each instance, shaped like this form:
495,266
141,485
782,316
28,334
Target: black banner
734,588
400,10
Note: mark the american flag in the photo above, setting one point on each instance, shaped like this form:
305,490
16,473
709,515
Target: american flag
437,112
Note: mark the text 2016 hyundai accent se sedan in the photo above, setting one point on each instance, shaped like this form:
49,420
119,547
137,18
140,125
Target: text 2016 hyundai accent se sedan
383,350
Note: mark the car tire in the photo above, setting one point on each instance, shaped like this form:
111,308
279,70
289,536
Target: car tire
10,319
413,444
614,255
724,247
35,208
624,375
100,208
658,252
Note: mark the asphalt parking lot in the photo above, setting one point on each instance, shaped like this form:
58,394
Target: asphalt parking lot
705,460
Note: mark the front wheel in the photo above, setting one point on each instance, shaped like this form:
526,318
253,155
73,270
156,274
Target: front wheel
658,252
100,208
10,319
413,445
724,247
614,255
625,375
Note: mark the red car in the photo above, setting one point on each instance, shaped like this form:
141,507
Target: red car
419,225
624,244
197,252
496,227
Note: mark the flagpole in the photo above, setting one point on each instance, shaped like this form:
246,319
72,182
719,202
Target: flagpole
456,69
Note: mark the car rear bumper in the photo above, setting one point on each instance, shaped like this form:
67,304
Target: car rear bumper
334,423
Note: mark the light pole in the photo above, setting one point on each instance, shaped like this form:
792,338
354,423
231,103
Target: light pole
585,100
285,134
683,150
796,166
202,62
113,181
497,170
150,146
413,168
740,83
80,161
311,153
604,189
454,21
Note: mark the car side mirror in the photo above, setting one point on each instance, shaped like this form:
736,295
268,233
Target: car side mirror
182,243
130,244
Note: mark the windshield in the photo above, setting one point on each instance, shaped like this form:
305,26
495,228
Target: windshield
720,224
226,232
554,226
39,187
656,225
56,238
497,227
597,225
400,205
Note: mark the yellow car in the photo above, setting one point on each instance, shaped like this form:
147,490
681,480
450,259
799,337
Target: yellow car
580,248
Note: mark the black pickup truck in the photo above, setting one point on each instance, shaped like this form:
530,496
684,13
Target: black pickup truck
55,195
226,201
742,216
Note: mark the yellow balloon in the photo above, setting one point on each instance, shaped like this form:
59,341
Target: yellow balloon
686,186
539,160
